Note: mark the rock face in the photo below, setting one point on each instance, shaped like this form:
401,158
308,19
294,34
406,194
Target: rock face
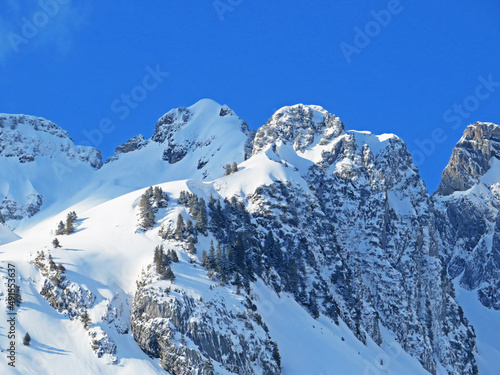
380,255
188,333
468,203
14,210
471,158
133,144
339,219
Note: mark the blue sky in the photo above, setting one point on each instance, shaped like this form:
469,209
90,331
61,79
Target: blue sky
420,69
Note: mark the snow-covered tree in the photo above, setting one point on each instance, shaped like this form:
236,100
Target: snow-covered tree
85,319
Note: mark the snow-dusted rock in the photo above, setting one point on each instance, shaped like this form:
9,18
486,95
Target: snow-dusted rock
468,204
39,163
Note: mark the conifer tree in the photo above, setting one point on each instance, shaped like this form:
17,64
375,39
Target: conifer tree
55,243
61,228
85,320
146,213
159,259
52,264
230,259
211,256
228,170
220,259
160,197
201,217
174,257
169,274
211,203
189,227
234,167
293,276
191,247
69,224
239,255
209,368
179,230
204,259
27,339
237,280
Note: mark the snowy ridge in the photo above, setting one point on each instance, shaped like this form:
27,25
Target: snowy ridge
29,137
36,156
195,142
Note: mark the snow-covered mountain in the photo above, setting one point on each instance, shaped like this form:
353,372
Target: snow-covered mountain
302,248
39,166
468,201
195,142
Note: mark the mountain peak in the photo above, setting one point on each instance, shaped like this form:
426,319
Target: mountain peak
22,122
299,124
28,137
471,157
199,116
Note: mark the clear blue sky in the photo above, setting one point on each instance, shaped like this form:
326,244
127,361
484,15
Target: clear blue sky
71,63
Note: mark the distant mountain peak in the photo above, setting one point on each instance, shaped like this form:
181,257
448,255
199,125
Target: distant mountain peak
471,157
18,121
28,137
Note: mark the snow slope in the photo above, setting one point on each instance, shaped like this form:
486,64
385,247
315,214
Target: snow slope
486,323
106,255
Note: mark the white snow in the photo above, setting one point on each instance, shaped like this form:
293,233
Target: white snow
486,323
